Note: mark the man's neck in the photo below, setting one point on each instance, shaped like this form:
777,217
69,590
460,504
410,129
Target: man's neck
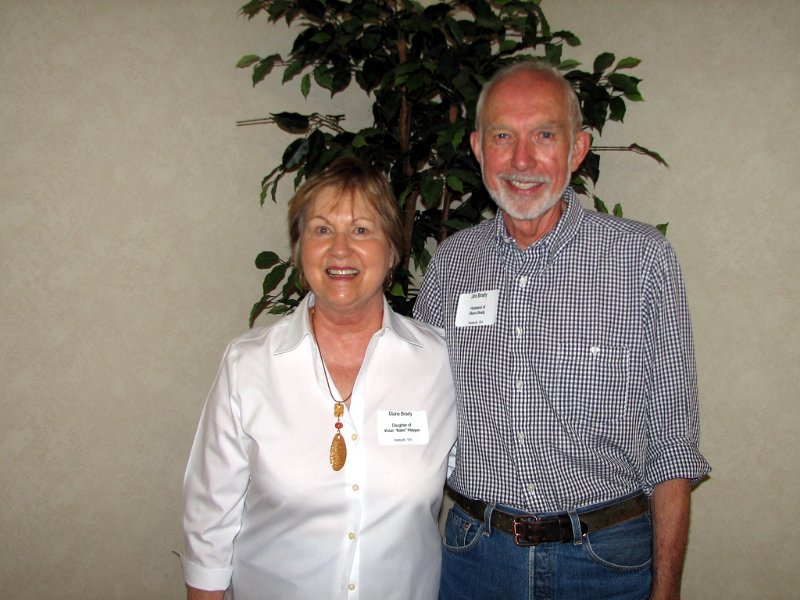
528,232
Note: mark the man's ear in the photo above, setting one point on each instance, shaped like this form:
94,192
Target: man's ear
580,148
475,142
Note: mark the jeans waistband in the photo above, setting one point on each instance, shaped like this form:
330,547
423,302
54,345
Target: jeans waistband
530,530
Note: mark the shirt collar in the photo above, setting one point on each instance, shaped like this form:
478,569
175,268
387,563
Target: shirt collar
298,326
555,240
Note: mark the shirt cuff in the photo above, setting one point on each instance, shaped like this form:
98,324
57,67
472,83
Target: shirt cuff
682,461
205,578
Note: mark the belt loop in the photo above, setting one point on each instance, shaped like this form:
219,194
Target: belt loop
487,518
577,533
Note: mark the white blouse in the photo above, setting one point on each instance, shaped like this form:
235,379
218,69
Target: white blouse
264,511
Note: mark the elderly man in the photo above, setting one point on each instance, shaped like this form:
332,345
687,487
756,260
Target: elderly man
571,349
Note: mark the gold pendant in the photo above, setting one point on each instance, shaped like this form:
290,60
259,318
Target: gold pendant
338,452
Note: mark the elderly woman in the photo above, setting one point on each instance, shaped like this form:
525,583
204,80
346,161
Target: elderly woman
319,462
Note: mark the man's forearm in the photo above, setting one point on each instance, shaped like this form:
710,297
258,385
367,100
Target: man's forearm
195,594
670,512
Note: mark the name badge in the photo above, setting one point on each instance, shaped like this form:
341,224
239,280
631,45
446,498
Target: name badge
402,427
477,308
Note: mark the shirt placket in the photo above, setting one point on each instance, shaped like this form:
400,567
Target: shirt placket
353,478
524,269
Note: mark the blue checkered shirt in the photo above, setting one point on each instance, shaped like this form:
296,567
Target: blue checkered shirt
584,389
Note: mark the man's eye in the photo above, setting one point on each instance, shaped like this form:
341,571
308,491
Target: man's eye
546,135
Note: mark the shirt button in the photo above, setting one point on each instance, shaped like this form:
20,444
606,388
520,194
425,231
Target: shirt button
531,487
354,437
523,281
520,435
355,487
351,587
351,535
518,331
520,384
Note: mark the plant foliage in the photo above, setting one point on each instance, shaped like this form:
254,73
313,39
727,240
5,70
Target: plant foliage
423,66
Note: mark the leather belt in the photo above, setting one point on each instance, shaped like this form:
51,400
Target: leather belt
530,530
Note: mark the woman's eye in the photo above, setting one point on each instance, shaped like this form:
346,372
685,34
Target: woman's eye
360,230
322,229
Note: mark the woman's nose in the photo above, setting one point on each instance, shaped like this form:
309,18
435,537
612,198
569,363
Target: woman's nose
341,244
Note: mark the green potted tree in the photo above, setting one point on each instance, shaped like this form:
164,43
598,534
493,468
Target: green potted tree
423,66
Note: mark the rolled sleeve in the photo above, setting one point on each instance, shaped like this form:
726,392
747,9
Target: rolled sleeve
673,421
205,578
215,484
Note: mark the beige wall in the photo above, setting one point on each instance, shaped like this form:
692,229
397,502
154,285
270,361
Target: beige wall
129,218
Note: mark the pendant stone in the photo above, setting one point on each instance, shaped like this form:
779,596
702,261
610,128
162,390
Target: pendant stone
338,452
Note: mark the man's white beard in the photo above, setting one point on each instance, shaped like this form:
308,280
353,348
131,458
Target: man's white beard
523,210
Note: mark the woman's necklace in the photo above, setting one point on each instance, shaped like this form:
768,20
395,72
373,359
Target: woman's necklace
338,453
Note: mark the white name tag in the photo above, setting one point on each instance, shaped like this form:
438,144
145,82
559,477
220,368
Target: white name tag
396,427
477,308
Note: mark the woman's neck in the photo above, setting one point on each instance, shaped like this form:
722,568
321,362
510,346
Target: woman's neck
343,340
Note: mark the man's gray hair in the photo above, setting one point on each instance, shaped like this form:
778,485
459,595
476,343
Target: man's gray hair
539,67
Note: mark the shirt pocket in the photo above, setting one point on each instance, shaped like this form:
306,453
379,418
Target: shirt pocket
593,382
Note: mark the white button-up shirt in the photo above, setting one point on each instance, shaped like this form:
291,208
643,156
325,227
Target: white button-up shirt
264,510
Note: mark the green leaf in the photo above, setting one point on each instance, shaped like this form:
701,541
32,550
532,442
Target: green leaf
603,62
292,69
627,84
291,122
569,37
397,290
247,60
617,108
553,53
600,206
257,309
454,183
267,260
627,63
295,153
569,64
642,150
305,85
618,210
431,190
508,46
662,227
274,277
264,67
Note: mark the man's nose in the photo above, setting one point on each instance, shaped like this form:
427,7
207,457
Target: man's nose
523,157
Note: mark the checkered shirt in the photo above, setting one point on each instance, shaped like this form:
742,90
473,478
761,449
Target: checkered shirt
584,389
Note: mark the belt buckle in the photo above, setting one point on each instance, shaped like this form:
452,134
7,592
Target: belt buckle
522,534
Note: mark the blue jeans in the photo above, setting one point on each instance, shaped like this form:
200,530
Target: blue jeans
479,563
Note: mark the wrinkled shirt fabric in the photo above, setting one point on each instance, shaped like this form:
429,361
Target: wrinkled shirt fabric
264,510
583,390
